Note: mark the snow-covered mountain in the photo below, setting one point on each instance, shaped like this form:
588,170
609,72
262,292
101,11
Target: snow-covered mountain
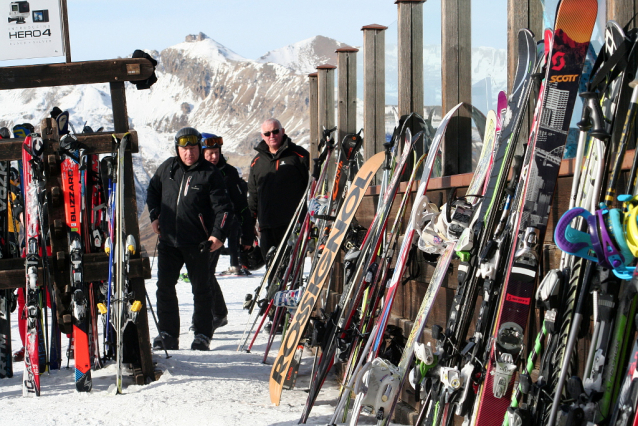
208,86
487,63
303,57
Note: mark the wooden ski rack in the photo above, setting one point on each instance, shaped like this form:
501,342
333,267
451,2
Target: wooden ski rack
12,271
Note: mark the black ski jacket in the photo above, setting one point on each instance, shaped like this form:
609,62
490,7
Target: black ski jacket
183,197
237,190
277,182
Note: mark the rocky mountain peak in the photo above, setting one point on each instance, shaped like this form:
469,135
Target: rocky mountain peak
195,37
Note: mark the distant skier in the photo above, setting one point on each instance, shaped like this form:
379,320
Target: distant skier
278,177
190,210
241,229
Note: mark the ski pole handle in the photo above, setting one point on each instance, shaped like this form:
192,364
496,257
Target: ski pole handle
570,240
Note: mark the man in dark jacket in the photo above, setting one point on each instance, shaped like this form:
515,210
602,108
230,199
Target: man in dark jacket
242,228
277,181
190,211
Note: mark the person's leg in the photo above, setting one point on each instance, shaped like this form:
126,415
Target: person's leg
233,244
279,233
197,264
266,240
169,264
219,304
22,319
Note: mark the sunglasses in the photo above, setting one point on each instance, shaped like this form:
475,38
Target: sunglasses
188,140
213,142
274,132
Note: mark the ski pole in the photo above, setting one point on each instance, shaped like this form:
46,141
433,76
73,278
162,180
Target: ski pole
150,305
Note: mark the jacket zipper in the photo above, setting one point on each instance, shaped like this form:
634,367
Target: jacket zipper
201,219
179,196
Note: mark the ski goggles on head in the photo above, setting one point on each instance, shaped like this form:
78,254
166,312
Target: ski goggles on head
212,142
187,140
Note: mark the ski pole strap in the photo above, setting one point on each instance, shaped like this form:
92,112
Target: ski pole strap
614,222
600,74
630,223
608,254
570,240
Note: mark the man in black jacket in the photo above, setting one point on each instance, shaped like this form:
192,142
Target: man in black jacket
190,210
277,181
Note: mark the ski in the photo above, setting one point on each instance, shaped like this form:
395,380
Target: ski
575,20
320,274
6,296
33,186
366,264
72,166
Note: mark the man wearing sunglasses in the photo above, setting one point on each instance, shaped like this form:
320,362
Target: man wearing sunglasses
190,210
277,181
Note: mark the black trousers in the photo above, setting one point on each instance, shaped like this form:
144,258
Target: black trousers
271,237
219,304
169,263
233,243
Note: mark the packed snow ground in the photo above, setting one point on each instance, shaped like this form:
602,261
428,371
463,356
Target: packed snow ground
221,387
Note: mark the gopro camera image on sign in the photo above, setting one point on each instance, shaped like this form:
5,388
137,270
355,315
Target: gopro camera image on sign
19,12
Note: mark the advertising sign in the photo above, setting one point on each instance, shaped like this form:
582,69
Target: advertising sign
30,29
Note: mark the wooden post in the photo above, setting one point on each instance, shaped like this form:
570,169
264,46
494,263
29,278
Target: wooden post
120,123
621,11
65,28
410,47
373,89
326,97
456,74
522,14
347,91
314,117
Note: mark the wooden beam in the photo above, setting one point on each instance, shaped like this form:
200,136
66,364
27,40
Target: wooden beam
96,143
373,89
118,102
96,268
313,107
326,95
91,72
456,56
65,29
621,11
522,14
410,46
347,91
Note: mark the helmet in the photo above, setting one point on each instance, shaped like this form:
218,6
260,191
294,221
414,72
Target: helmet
252,258
4,133
210,140
187,136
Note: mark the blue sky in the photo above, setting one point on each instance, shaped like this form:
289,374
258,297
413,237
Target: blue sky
103,29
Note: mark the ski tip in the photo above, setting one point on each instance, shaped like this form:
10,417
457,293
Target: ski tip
576,18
